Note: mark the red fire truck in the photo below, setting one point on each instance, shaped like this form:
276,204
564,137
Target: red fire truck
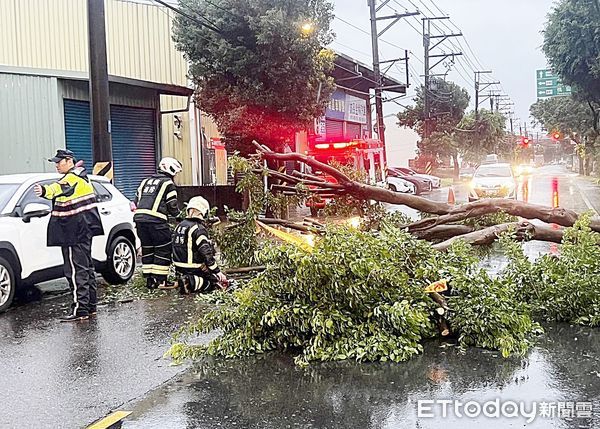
364,155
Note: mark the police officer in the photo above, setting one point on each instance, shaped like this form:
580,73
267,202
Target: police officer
193,252
73,223
156,199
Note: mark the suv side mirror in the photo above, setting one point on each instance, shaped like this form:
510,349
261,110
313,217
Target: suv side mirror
35,210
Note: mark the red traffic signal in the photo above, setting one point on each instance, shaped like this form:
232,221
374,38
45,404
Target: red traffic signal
556,136
525,141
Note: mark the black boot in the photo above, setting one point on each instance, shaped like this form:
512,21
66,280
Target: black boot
151,283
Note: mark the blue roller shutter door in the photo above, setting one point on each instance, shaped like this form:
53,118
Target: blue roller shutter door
334,129
134,146
78,131
133,141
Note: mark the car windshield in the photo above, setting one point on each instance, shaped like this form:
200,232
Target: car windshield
493,171
7,190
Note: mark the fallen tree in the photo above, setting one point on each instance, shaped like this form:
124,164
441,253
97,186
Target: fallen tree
370,293
446,213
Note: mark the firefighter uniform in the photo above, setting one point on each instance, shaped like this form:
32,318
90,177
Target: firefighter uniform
156,199
194,257
74,221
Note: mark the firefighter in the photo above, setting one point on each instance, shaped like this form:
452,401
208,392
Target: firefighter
156,199
194,254
74,221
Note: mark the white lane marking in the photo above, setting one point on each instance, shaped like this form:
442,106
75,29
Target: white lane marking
586,200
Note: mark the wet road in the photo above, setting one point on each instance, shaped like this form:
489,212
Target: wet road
560,376
270,392
68,375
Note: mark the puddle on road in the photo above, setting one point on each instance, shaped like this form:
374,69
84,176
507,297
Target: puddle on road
270,392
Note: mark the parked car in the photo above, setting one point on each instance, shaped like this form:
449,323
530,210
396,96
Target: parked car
24,257
436,182
398,184
421,184
493,181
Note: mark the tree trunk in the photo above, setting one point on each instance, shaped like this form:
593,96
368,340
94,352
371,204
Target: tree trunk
447,213
456,167
523,231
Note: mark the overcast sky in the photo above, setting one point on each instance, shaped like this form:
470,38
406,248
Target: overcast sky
504,36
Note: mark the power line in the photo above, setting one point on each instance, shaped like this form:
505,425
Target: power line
367,33
352,49
471,60
208,24
466,41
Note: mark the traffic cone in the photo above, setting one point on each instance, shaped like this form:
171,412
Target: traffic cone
451,198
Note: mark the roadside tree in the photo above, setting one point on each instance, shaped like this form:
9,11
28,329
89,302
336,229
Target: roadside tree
484,135
448,104
258,65
573,119
572,46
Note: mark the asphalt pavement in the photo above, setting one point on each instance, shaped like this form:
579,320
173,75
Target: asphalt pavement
67,375
58,375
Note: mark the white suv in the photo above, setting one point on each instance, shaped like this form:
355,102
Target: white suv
24,257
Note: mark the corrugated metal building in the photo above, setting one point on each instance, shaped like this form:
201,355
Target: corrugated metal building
43,92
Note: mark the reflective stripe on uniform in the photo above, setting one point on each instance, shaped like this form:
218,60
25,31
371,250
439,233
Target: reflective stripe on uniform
151,213
159,196
73,201
189,265
74,281
199,283
201,239
74,211
155,269
139,191
190,242
171,195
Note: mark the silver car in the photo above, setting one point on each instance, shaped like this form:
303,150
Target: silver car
493,181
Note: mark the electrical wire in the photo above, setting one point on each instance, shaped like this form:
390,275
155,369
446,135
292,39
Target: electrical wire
367,33
469,59
207,23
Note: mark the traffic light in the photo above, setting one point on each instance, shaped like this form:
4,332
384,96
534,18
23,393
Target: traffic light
525,142
556,136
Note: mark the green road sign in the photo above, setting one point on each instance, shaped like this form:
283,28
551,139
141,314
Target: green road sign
549,85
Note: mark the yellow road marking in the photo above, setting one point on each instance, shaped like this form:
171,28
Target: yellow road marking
110,420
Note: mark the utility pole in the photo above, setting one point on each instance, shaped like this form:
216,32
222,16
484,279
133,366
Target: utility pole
376,63
427,47
99,101
481,86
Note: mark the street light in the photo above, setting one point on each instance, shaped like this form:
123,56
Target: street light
307,28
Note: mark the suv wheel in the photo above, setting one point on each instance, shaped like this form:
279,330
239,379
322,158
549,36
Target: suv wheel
7,284
120,263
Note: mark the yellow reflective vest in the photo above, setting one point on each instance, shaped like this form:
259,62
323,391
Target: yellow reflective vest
75,218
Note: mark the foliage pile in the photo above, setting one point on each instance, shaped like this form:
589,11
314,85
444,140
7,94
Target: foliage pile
359,295
564,288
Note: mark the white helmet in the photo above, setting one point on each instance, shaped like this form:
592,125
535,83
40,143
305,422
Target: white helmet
170,166
199,204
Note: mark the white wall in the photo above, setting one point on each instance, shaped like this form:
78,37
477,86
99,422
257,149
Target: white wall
401,143
31,128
